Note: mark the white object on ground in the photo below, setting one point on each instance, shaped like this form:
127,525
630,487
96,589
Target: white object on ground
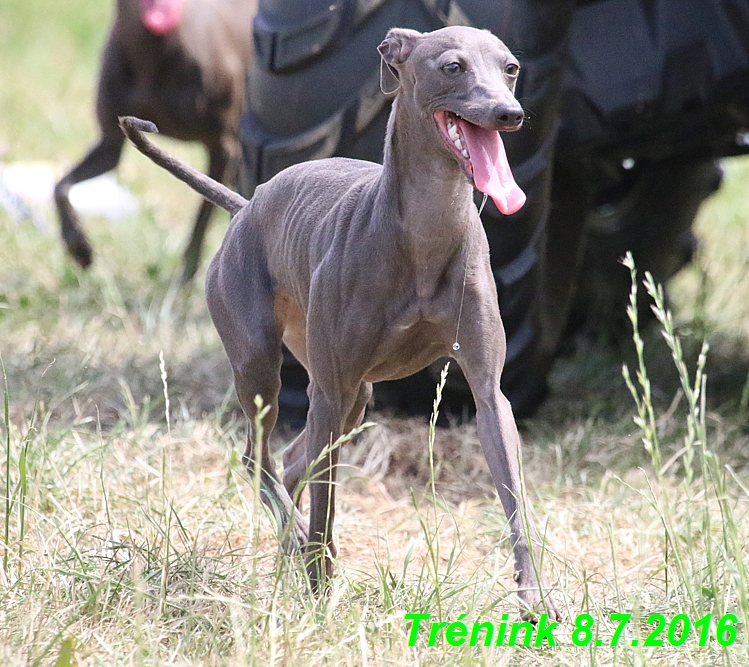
27,189
104,196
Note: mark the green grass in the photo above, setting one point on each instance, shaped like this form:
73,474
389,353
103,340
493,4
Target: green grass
130,538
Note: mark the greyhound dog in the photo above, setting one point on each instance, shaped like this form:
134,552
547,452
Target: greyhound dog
370,273
181,64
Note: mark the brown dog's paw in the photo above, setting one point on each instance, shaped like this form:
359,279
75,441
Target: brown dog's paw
79,248
73,237
190,263
82,254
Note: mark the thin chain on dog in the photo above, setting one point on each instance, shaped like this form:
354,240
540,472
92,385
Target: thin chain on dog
382,81
456,344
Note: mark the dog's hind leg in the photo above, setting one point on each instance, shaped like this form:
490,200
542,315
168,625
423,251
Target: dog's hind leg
260,376
356,416
295,459
246,323
295,463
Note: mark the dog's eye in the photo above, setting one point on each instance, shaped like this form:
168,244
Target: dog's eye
512,69
452,68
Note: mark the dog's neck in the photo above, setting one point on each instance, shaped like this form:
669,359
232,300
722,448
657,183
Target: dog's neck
423,187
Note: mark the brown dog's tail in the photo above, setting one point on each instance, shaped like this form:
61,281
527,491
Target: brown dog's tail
213,191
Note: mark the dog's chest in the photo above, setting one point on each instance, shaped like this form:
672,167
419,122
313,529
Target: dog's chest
409,343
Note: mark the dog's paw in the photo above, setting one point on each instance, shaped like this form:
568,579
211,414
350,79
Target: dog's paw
533,603
302,526
80,250
73,237
295,534
319,564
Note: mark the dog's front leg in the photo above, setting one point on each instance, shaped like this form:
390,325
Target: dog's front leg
501,444
481,357
100,159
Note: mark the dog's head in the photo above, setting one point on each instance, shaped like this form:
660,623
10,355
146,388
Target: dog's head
465,80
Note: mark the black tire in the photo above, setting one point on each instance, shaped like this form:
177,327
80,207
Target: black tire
314,92
644,114
650,214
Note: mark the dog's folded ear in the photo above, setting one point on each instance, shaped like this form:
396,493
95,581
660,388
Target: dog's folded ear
398,45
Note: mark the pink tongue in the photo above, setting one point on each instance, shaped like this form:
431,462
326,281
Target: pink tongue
491,170
161,16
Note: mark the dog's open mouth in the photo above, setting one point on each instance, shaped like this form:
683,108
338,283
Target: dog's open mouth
482,154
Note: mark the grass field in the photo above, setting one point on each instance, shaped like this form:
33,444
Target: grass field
129,533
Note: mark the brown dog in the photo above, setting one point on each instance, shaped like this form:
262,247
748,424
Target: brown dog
182,65
370,273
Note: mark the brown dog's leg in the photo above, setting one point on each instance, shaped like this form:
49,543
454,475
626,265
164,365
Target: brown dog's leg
101,158
218,161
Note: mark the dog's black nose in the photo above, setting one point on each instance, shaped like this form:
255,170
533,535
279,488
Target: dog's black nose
508,116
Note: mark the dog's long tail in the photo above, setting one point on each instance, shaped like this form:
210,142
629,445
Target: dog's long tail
213,191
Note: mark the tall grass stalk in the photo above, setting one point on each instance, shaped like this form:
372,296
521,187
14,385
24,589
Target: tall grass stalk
724,565
20,491
433,429
713,480
257,458
23,486
693,392
431,533
6,421
646,420
643,398
164,454
169,511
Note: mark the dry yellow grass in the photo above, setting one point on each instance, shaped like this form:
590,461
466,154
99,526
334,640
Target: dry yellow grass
145,569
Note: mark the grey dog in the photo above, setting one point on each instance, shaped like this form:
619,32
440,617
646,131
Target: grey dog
370,273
